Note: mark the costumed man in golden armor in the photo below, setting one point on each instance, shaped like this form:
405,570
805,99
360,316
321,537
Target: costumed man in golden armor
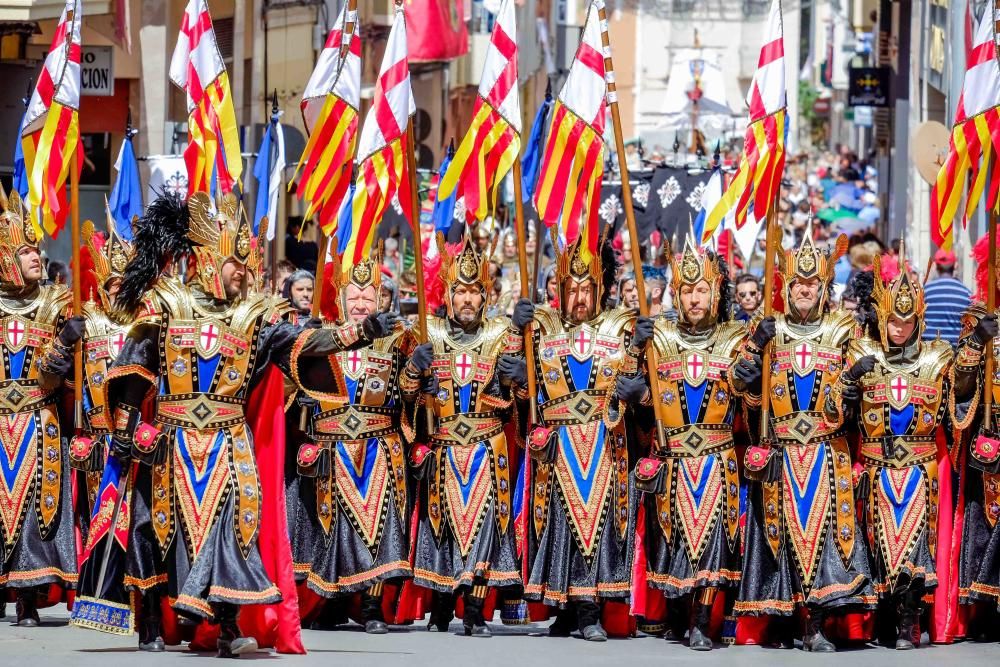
693,510
802,547
113,567
465,538
38,545
353,493
200,349
896,390
979,567
586,357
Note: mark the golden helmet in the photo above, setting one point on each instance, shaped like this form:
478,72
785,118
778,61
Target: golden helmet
110,256
573,268
366,273
807,262
218,236
690,267
468,266
16,232
902,297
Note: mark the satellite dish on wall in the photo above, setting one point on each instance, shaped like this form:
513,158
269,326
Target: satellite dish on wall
930,146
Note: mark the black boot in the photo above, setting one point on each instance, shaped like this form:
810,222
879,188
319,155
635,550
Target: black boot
27,608
231,643
909,612
698,639
565,622
814,640
588,619
473,622
150,634
371,612
442,611
678,618
782,632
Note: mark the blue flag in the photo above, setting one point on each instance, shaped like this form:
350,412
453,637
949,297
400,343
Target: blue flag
125,201
531,163
267,170
345,220
444,209
20,174
709,198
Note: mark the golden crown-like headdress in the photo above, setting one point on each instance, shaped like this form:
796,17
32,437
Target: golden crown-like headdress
693,265
467,267
16,232
807,262
902,297
111,258
572,266
218,236
366,273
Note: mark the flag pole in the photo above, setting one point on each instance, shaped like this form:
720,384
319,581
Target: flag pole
640,282
991,304
418,245
74,208
770,251
522,260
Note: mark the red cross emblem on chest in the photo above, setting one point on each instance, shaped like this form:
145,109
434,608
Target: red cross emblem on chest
899,390
581,344
695,366
463,367
209,338
15,333
117,343
354,360
803,356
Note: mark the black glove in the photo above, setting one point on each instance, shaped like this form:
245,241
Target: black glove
630,389
642,333
429,384
524,312
379,325
513,370
986,329
861,367
72,330
748,373
313,323
421,357
57,363
850,394
764,332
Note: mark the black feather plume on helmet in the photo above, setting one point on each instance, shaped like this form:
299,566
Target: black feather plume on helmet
159,238
862,285
609,270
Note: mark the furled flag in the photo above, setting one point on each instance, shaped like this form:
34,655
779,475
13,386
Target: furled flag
125,201
382,168
531,162
974,138
267,170
51,127
330,106
213,149
493,141
758,175
569,184
442,209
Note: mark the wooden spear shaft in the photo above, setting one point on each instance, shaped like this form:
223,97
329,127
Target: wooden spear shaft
522,260
74,208
991,304
640,283
418,246
765,381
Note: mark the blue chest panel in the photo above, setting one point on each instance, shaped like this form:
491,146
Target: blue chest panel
804,389
206,372
465,397
352,388
16,360
475,468
11,467
900,420
694,396
362,478
583,478
579,372
200,478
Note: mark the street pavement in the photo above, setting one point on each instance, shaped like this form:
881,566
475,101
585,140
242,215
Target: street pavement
55,643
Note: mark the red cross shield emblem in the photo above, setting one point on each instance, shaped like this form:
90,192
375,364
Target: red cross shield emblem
803,359
581,344
899,391
354,362
15,334
209,339
695,368
115,344
462,367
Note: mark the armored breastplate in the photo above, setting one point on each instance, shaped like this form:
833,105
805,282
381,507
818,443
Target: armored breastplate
102,342
465,369
27,329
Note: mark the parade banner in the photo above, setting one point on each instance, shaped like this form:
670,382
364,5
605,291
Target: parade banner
438,30
167,175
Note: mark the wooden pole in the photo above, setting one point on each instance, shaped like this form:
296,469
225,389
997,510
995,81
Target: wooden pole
765,382
991,304
74,208
640,282
324,242
418,246
522,260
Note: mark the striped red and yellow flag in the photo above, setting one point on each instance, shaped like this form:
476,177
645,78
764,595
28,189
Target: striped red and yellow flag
975,138
382,169
569,182
758,176
330,109
493,141
52,126
197,67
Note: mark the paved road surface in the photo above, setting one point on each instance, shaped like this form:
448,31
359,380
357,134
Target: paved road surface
58,644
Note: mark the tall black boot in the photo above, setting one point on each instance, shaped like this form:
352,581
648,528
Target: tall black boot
814,640
588,619
473,622
909,612
565,622
27,607
232,644
782,632
442,611
678,618
371,611
698,639
150,634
